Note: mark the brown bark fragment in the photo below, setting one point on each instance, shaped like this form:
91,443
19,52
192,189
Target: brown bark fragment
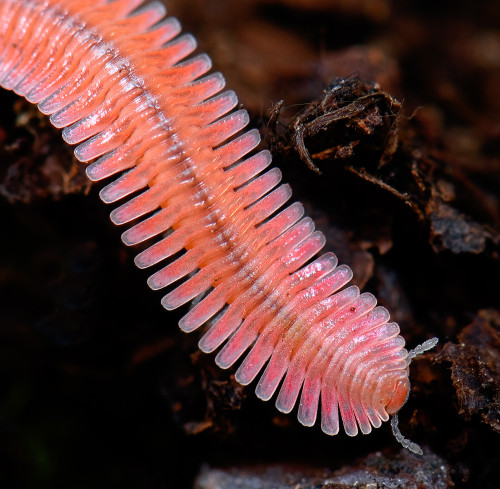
475,368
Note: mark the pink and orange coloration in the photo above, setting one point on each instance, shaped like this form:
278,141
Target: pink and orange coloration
114,74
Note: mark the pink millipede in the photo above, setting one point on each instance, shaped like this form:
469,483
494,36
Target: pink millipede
116,75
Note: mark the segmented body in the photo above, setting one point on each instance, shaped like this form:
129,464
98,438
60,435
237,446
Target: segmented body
115,75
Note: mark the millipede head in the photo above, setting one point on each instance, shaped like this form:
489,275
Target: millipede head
398,397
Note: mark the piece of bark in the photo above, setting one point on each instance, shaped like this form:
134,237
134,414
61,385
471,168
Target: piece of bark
475,368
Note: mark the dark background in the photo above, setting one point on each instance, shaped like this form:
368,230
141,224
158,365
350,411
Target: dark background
98,388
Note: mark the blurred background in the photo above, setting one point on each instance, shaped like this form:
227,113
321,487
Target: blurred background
99,388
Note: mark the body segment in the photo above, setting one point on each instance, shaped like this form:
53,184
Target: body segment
117,77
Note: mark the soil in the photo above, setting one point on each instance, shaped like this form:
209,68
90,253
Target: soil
384,117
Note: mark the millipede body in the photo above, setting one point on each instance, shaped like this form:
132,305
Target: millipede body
117,76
